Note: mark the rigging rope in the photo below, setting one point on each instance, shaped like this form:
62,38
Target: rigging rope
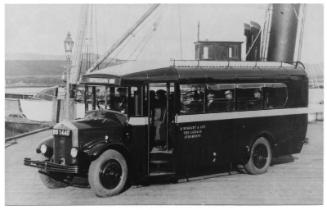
254,42
154,29
267,32
299,52
180,33
123,38
96,33
149,32
143,47
120,49
146,37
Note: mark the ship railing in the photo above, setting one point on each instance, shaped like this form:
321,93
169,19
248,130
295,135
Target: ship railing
235,64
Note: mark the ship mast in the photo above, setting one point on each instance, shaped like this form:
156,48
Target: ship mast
123,38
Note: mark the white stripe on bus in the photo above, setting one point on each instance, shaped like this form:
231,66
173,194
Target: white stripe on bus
239,115
226,115
138,121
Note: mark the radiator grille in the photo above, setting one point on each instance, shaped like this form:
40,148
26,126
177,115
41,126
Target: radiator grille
62,147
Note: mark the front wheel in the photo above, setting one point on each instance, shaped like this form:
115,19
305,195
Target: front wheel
260,157
52,180
108,174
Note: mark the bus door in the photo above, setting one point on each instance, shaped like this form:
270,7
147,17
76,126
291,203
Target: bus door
161,128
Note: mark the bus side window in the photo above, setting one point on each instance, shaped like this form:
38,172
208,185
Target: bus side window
100,94
135,104
249,99
219,100
192,99
275,97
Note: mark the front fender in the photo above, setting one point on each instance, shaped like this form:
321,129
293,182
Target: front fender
97,148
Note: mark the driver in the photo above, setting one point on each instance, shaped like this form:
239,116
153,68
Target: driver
120,100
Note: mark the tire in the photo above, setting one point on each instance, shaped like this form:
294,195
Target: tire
50,182
108,174
260,157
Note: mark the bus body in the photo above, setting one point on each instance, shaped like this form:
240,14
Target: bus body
189,118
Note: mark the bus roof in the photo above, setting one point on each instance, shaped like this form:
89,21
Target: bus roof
142,72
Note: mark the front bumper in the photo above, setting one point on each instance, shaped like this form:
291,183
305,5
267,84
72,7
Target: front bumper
50,166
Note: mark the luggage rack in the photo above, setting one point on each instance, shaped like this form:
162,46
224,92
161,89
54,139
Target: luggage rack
228,64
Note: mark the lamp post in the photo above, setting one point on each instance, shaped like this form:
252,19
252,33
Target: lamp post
68,45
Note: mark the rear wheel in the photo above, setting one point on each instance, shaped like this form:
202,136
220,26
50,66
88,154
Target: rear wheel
108,174
260,157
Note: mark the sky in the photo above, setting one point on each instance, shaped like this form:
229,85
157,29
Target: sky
169,33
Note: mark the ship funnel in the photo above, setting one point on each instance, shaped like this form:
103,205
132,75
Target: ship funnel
283,32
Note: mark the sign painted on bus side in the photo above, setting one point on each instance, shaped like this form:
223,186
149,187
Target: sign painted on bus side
192,131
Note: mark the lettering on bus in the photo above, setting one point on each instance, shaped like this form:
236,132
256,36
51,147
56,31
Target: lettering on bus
193,131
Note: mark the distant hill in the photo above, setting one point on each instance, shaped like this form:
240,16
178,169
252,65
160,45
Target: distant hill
39,70
33,56
17,68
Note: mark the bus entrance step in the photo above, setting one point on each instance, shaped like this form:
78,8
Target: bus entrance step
159,162
156,150
162,173
161,155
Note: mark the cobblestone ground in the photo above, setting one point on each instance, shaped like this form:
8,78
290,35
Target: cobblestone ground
296,182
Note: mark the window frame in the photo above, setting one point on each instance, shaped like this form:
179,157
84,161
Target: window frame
275,85
234,87
221,86
203,85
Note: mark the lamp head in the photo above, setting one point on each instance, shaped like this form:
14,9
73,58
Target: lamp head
68,44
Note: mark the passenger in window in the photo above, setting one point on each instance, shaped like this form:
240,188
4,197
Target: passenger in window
256,102
159,112
229,100
192,99
228,95
100,99
161,101
219,101
196,104
257,94
211,105
210,99
152,102
186,101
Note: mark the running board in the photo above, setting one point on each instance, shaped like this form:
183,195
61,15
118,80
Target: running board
162,173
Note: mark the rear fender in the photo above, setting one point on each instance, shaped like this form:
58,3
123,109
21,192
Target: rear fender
246,148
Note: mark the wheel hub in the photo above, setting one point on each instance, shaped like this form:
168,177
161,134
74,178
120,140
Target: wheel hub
110,174
260,155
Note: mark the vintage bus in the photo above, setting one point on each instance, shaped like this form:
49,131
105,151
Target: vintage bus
176,120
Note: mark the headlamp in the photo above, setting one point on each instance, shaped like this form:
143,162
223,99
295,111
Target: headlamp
74,152
43,149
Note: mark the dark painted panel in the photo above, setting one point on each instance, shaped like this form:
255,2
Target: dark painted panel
139,151
229,139
204,146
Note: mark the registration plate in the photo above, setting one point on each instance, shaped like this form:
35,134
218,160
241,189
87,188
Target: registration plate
60,132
